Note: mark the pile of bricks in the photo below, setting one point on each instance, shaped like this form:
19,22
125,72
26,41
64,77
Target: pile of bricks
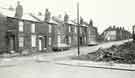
124,53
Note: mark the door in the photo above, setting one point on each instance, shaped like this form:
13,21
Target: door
81,41
40,44
12,43
45,42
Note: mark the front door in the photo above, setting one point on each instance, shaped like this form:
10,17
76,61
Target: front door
40,44
81,41
12,43
45,42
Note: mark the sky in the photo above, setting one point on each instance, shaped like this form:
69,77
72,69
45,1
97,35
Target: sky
103,12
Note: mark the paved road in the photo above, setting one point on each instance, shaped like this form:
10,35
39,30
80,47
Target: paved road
49,70
27,67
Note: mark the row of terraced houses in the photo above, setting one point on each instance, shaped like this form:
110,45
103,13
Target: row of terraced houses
113,33
20,31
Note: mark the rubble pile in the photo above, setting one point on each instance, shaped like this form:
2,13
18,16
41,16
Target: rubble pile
124,53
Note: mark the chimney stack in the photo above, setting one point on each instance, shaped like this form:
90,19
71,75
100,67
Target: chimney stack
19,10
47,16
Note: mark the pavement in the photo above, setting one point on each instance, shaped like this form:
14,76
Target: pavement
102,65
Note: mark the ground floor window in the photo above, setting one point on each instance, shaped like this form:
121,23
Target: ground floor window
69,40
21,41
50,40
33,40
59,39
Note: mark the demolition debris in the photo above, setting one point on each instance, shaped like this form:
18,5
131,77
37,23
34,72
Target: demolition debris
124,53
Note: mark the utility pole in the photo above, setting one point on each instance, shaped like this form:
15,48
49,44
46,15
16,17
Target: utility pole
78,30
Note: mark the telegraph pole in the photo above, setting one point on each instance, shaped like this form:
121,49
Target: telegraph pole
78,29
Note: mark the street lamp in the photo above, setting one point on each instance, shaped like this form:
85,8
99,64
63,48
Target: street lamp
78,29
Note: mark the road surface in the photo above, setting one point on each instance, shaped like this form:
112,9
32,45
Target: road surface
34,69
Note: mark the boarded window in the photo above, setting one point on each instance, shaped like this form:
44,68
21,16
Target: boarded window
21,26
33,28
21,41
33,40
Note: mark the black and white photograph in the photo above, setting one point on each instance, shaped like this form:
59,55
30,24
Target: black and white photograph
67,38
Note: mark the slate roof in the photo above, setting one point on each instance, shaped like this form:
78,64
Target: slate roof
9,13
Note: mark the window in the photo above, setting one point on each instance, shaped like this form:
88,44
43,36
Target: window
59,39
69,29
21,41
50,28
75,29
69,40
33,28
80,30
85,40
21,26
50,40
33,40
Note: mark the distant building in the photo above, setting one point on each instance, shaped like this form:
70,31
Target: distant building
115,33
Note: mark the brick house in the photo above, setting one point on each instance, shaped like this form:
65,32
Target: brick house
92,34
22,32
29,35
67,32
3,29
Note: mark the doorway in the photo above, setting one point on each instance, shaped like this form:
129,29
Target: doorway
11,41
42,43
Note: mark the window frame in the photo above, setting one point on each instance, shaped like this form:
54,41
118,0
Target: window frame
21,41
33,39
21,26
33,27
50,28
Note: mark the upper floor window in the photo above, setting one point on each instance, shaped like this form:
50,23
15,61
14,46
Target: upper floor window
50,28
69,28
33,28
21,24
75,29
80,30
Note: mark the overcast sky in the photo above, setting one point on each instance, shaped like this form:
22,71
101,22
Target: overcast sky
102,12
